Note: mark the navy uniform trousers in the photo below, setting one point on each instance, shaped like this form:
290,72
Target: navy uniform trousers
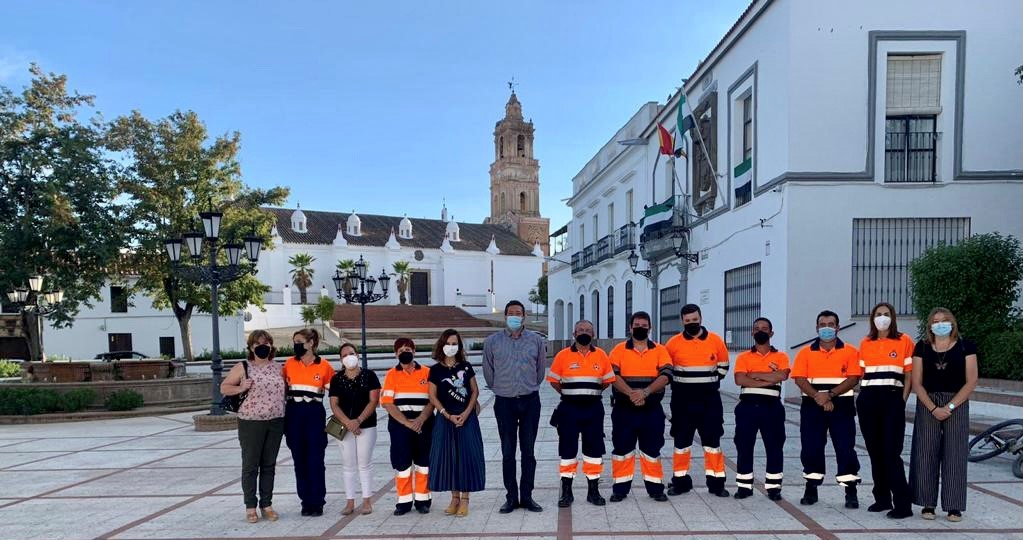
766,415
409,449
883,425
580,420
643,425
697,408
303,428
814,426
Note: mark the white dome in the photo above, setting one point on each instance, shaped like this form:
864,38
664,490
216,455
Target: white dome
452,232
298,221
405,228
354,225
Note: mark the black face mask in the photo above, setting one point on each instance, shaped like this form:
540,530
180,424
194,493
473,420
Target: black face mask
300,350
640,333
761,337
261,351
406,357
693,328
583,339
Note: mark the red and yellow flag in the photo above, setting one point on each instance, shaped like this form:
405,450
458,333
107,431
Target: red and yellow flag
667,144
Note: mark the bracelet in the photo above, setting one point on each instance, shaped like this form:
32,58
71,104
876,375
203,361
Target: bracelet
933,408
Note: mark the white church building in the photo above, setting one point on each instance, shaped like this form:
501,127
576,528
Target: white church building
834,143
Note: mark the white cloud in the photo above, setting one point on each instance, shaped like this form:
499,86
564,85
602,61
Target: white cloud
14,65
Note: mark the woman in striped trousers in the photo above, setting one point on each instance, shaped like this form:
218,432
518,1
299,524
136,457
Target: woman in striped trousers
944,376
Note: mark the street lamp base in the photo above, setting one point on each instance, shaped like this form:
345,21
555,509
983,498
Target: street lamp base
209,422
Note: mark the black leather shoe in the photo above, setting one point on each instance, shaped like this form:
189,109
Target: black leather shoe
508,507
879,507
899,514
743,493
316,512
809,496
660,497
721,493
306,512
401,511
851,500
423,509
672,491
593,493
530,504
774,495
616,497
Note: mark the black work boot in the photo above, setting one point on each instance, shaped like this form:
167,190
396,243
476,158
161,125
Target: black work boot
680,485
810,495
566,493
592,494
851,501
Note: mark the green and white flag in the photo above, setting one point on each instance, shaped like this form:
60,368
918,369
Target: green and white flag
743,173
657,216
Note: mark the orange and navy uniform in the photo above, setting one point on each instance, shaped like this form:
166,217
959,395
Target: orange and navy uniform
885,363
582,378
825,370
760,410
410,451
644,424
699,364
304,417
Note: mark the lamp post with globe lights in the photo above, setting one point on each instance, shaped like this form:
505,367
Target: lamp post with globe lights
357,288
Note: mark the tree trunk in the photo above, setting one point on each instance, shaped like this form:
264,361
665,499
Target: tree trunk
301,296
30,329
402,287
185,323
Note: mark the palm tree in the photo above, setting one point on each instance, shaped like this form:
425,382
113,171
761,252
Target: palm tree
346,266
302,273
402,271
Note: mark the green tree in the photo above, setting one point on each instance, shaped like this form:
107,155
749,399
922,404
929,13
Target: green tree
175,172
58,198
302,273
979,281
309,315
541,291
346,266
325,311
402,271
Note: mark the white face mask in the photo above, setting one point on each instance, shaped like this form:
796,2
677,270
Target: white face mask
882,322
350,361
450,350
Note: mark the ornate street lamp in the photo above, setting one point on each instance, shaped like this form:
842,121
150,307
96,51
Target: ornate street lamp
361,290
214,274
33,300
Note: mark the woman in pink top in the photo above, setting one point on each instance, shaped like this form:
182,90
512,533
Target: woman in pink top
260,421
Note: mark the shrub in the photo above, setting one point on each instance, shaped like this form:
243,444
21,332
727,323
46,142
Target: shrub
1003,356
9,369
124,400
25,401
77,399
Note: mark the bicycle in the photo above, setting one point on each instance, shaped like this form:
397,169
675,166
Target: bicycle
1004,437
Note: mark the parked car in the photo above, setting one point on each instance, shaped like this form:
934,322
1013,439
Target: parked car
120,355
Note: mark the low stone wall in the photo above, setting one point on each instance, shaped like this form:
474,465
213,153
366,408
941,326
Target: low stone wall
117,370
178,392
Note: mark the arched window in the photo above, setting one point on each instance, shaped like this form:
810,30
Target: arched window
569,320
596,313
522,201
610,312
521,146
500,147
628,307
559,319
582,308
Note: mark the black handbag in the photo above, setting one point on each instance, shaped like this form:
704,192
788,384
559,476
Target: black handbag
233,403
555,416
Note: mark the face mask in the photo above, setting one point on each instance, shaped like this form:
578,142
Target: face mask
943,328
583,339
761,337
640,333
300,350
882,322
261,351
514,322
351,361
450,350
693,328
406,357
827,334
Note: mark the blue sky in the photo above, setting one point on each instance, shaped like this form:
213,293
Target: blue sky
381,107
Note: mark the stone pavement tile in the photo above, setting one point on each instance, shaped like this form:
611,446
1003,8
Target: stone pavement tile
61,445
74,519
220,516
119,459
183,441
147,482
925,536
206,457
30,483
1013,490
13,459
126,427
992,469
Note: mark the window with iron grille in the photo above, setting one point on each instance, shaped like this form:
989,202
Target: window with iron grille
628,308
912,106
610,312
671,306
883,249
742,304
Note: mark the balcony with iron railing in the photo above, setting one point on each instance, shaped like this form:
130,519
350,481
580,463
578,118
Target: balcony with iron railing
625,238
604,248
911,156
589,255
577,262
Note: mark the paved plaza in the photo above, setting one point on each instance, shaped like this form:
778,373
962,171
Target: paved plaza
157,478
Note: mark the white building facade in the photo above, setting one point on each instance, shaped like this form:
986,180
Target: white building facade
833,144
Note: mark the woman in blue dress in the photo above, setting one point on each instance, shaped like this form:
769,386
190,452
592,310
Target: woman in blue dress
456,455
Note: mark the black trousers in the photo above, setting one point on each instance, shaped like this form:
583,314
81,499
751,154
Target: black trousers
766,415
303,427
814,427
698,410
883,424
409,448
260,441
518,420
585,421
642,426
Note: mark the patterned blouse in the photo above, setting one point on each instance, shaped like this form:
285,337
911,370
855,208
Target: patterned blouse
265,399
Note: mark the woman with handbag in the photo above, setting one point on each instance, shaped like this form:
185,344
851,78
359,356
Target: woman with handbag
260,383
354,393
456,454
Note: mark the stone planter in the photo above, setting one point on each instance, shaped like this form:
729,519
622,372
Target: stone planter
142,370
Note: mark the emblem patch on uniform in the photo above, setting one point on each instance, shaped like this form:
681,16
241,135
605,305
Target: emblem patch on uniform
893,354
596,366
574,365
316,377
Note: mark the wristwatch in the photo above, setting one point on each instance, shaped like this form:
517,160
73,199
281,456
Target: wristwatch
951,406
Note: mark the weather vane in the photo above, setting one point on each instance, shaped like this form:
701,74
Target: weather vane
512,84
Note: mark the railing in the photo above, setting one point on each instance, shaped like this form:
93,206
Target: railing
577,262
472,300
273,298
589,255
910,156
625,238
604,246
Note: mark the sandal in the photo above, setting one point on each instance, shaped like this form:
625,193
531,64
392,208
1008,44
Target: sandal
251,516
463,507
452,508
